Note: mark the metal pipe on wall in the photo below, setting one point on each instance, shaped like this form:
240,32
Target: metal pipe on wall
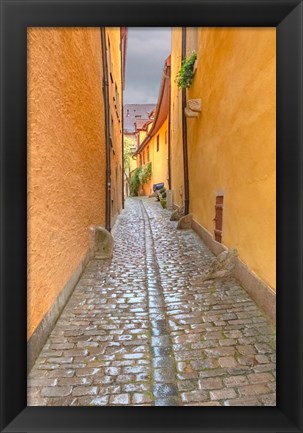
169,144
107,132
184,133
122,169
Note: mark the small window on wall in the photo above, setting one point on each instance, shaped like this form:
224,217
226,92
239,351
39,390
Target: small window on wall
143,157
117,100
147,153
166,137
158,142
111,129
218,218
110,61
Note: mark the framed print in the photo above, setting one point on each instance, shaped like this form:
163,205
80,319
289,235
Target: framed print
110,300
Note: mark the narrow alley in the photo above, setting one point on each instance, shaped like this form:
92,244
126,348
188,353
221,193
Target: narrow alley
142,329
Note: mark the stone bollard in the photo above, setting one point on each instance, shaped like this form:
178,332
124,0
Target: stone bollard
184,222
101,243
222,266
177,214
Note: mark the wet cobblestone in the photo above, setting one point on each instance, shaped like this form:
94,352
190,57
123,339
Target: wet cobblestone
142,329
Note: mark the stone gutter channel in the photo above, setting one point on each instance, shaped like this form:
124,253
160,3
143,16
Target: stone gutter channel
165,390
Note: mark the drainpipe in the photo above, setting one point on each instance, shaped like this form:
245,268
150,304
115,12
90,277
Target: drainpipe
122,58
107,135
122,127
169,151
184,133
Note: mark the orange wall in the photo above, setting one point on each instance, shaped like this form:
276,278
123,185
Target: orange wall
177,177
66,157
232,144
115,101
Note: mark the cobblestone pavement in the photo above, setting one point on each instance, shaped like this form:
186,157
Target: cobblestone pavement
140,329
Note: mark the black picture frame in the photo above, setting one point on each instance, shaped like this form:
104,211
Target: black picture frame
16,16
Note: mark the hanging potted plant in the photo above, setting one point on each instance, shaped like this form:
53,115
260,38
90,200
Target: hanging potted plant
187,71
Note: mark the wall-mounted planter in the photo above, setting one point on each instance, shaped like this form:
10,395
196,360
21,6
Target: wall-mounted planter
195,104
189,113
194,107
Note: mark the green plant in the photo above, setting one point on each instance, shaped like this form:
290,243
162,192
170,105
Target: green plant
135,181
163,202
162,193
140,176
146,172
186,73
162,197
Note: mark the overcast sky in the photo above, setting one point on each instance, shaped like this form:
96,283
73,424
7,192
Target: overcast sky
147,49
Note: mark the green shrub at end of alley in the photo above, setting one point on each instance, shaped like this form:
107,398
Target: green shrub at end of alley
135,182
140,176
146,173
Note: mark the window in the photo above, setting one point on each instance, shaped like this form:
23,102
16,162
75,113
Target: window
111,128
218,218
110,65
147,153
143,157
116,96
166,137
117,100
158,142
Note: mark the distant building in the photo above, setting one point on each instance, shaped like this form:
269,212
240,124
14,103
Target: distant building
153,137
135,116
135,112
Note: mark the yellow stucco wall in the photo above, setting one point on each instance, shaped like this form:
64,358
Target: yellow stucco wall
158,159
66,158
177,178
142,135
132,164
232,144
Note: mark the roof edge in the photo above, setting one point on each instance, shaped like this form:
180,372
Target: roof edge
164,85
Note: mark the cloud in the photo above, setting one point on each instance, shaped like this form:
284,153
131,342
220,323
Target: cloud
147,49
